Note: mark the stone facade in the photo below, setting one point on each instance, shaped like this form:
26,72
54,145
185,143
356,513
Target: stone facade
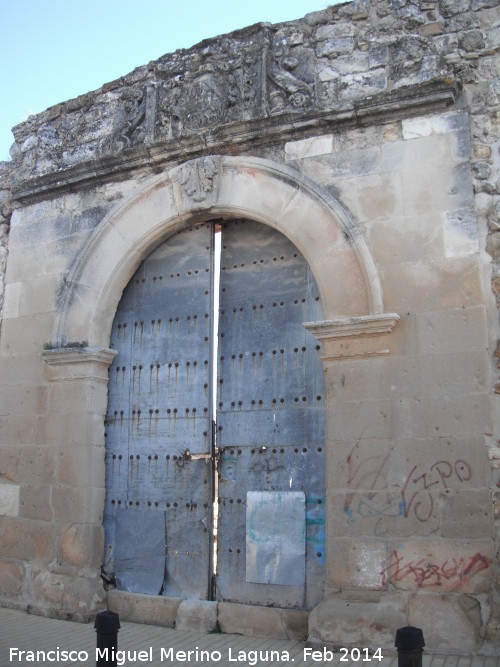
369,135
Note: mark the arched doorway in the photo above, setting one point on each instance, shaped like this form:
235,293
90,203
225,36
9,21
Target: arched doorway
218,187
215,423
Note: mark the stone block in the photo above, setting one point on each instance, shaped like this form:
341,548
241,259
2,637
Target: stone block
424,126
27,464
461,330
78,504
304,148
256,621
22,399
419,287
352,417
27,333
461,232
357,620
355,563
375,514
84,596
65,430
138,608
455,416
348,379
81,546
439,565
448,622
78,465
9,499
197,616
26,539
46,587
65,395
375,199
388,239
11,579
22,369
35,502
452,374
38,295
66,596
11,301
18,430
467,514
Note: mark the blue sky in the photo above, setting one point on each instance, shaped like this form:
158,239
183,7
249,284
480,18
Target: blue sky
53,50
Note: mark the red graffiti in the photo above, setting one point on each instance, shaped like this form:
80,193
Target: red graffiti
416,493
452,574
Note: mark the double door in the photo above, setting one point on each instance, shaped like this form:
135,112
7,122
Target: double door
215,423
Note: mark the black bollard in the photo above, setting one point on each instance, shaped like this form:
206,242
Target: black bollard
410,643
107,624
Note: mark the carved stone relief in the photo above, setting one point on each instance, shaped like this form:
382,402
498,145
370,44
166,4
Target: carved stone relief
196,177
291,76
237,82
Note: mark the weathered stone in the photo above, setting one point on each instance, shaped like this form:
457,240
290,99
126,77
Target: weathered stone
472,40
448,622
25,539
197,616
81,546
138,608
11,579
35,502
435,28
262,621
350,620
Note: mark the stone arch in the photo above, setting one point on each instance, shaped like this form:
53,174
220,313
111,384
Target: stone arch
217,187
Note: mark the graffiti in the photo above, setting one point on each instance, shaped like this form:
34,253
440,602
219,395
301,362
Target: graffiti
416,493
367,477
451,574
370,497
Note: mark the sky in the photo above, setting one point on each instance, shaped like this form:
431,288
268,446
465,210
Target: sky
54,50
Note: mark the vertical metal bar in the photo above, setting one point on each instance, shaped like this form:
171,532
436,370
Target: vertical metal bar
212,370
210,522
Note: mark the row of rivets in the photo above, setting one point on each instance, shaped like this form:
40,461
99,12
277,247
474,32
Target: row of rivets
157,364
137,323
273,352
191,272
274,401
169,411
262,260
150,503
150,457
261,306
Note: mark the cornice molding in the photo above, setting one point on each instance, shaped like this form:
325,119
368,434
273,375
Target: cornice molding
67,356
363,336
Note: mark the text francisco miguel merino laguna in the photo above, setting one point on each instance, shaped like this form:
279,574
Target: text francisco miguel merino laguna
253,657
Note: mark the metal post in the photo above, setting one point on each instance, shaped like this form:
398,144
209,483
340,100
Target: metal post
410,643
107,624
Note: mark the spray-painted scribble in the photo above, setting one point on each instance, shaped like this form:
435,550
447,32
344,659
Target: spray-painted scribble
452,574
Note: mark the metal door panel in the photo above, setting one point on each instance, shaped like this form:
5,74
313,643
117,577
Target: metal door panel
140,563
275,537
159,410
270,423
